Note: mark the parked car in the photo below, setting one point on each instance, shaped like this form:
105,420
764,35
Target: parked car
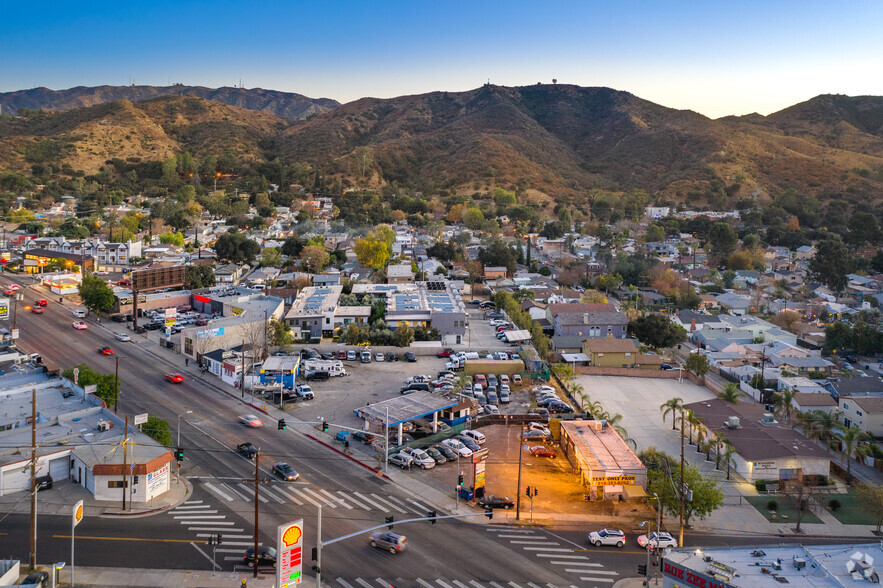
446,450
409,356
402,460
542,451
666,366
476,436
285,472
379,357
445,353
420,458
491,409
536,436
266,556
43,482
247,450
340,354
458,446
351,355
504,395
122,337
516,379
318,376
539,389
304,391
654,540
607,537
39,578
390,356
539,411
391,542
436,455
558,406
363,436
472,445
491,501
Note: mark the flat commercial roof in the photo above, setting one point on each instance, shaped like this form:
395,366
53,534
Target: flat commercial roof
405,408
600,447
517,336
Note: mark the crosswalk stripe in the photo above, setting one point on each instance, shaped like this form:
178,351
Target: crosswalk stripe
495,585
518,536
239,543
562,556
322,500
369,501
235,491
353,500
603,572
305,494
493,530
590,579
344,584
197,513
443,584
382,582
558,549
424,583
250,492
394,500
474,583
538,541
388,502
575,563
225,536
193,502
266,492
422,508
224,550
532,585
212,524
291,496
233,558
191,507
459,583
333,497
194,518
219,492
363,583
514,585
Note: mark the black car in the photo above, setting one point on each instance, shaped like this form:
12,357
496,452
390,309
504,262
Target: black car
118,318
37,579
43,482
392,356
309,354
362,436
327,356
247,450
449,453
496,502
285,471
470,443
558,406
266,556
318,376
411,357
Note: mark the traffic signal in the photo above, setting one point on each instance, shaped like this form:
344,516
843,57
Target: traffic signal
432,514
179,454
135,481
220,538
642,569
527,492
389,521
535,491
324,425
489,513
460,480
281,424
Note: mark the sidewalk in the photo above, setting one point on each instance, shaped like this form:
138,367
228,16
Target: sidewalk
91,576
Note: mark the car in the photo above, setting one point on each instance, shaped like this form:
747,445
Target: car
516,379
37,309
492,501
326,356
391,542
43,482
446,374
542,451
379,357
402,460
607,537
504,395
42,302
420,458
250,420
139,330
14,287
200,322
458,446
435,454
654,540
557,406
536,435
79,325
351,355
340,355
476,436
285,472
537,426
79,313
174,378
304,391
363,436
666,366
491,409
470,443
445,353
118,318
247,450
504,379
9,292
105,351
851,358
539,411
266,556
122,337
39,578
410,357
446,451
321,376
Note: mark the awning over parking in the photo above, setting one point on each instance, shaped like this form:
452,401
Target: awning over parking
518,336
574,357
633,492
404,408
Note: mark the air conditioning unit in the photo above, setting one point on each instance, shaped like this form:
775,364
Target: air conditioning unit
104,426
733,422
768,420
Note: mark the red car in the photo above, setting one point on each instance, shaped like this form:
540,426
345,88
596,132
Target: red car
37,310
42,303
9,292
174,378
105,351
541,451
445,353
124,283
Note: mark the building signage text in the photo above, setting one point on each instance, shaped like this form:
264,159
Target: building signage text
614,481
691,578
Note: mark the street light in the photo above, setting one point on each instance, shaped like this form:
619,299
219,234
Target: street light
658,526
647,567
319,542
179,426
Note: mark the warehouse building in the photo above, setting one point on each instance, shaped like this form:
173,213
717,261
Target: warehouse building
604,461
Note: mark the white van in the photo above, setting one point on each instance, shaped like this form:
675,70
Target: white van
476,436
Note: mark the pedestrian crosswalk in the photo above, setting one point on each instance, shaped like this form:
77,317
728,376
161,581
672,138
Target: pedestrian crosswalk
557,553
435,583
202,519
303,494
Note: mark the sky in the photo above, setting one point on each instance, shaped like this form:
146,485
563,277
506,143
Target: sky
716,58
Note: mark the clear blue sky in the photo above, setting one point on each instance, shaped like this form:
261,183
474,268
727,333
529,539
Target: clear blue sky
713,57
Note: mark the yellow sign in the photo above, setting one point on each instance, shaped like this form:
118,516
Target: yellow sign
614,481
78,513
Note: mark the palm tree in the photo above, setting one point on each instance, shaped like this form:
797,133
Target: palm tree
853,443
614,421
820,425
783,404
701,433
728,453
673,407
731,393
717,439
695,424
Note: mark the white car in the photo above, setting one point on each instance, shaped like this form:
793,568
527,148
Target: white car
420,458
607,537
458,447
401,459
654,540
79,325
476,436
540,389
491,409
250,420
122,337
378,357
304,391
80,313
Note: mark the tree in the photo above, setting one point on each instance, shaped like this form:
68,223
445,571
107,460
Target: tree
96,294
198,276
728,455
673,406
271,257
697,363
831,263
707,496
314,258
718,440
656,330
403,336
157,429
497,253
804,496
871,498
608,282
783,404
722,240
820,424
473,218
236,247
853,443
523,294
372,252
731,393
280,333
292,246
106,384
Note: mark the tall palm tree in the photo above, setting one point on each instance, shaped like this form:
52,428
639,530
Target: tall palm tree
701,434
728,455
673,407
853,443
717,440
824,425
694,422
731,393
783,404
615,421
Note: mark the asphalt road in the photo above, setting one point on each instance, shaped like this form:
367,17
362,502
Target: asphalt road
209,433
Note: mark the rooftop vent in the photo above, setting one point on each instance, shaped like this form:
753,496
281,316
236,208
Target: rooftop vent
768,420
104,425
732,422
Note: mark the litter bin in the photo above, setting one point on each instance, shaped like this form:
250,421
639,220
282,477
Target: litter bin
170,345
466,494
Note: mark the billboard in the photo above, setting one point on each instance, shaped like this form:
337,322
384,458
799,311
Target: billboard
289,553
208,333
171,316
4,308
156,278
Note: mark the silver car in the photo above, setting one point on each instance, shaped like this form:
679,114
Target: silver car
607,537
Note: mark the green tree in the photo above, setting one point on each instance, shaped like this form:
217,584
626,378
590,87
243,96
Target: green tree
871,498
371,252
730,393
314,258
270,257
707,495
783,404
172,239
105,383
697,363
473,218
403,336
722,240
279,333
96,294
292,246
853,443
674,407
831,263
157,429
608,282
654,234
656,330
236,247
198,276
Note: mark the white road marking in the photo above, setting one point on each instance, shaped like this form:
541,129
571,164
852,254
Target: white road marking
239,543
424,583
225,536
290,494
575,563
223,550
191,508
558,549
194,518
590,579
514,585
393,499
605,573
235,491
363,583
307,495
443,584
382,582
196,547
388,502
369,501
333,497
197,513
538,541
353,500
562,556
474,583
519,536
492,530
532,585
233,558
266,492
219,492
459,583
250,492
495,585
344,584
193,502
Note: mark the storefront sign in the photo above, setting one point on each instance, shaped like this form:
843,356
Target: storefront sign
685,577
171,316
614,481
289,552
479,474
156,481
765,465
202,299
4,308
208,333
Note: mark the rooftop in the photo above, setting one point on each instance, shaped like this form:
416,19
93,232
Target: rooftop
404,408
610,345
315,300
600,446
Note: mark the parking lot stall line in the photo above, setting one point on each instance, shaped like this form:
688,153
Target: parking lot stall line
291,496
334,498
394,507
346,496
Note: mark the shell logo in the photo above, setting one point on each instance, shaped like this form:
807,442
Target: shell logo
78,516
291,536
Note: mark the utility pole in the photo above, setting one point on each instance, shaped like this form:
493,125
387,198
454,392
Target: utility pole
518,492
125,459
257,462
134,305
682,495
116,383
15,310
242,373
33,561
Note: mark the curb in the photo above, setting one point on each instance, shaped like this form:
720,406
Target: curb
348,456
144,513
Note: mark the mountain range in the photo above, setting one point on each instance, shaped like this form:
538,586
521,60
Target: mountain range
558,141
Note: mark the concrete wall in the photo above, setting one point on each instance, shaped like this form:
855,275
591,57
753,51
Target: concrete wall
9,572
149,486
769,469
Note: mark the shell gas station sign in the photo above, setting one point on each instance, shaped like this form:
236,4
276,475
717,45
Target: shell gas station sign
289,553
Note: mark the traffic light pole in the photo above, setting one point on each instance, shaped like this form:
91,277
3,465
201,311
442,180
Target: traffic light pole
518,493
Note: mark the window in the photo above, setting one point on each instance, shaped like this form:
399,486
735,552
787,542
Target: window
859,413
845,406
116,484
628,354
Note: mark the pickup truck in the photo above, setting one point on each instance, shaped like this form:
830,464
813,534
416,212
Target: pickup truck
304,391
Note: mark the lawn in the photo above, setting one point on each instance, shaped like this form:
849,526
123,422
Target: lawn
784,509
850,511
